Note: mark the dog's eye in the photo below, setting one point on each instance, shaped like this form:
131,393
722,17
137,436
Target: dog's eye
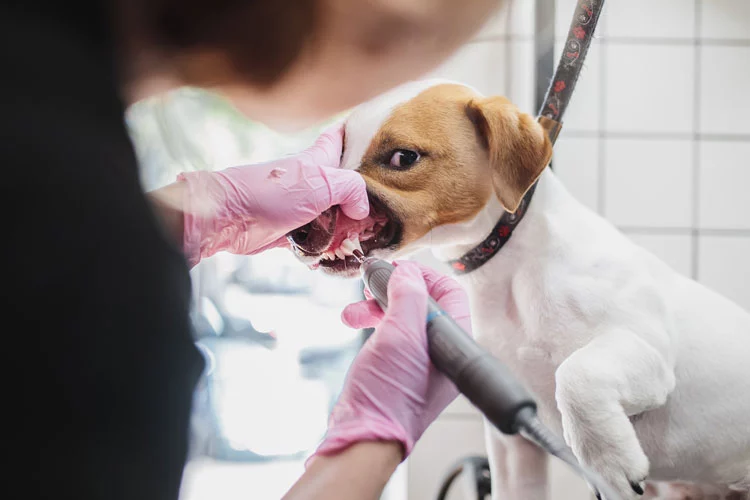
404,158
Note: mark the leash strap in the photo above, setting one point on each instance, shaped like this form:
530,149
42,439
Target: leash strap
550,118
577,45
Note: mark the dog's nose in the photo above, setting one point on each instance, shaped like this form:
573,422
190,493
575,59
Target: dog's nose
311,238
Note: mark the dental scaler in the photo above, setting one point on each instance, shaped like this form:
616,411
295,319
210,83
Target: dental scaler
478,375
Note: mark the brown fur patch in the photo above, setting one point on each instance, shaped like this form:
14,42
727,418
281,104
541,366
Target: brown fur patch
449,183
469,146
518,147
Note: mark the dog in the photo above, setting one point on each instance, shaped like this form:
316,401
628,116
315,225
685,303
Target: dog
644,372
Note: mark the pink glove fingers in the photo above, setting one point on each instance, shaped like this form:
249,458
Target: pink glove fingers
326,151
248,209
365,314
348,190
392,391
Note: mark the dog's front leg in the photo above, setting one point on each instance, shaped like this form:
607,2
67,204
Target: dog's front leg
616,376
518,468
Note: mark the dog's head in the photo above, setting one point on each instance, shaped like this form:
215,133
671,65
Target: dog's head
432,154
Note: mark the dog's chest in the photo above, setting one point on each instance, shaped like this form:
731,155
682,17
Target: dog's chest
532,321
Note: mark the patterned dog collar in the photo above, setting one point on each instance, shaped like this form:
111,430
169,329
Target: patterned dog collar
501,233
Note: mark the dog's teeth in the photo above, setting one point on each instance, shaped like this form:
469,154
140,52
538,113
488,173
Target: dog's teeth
339,253
349,245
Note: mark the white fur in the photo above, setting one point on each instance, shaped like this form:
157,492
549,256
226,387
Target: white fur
646,373
601,331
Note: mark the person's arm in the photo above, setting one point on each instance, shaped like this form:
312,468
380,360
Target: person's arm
360,471
167,203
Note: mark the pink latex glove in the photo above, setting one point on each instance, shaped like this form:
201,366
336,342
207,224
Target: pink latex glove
248,209
392,391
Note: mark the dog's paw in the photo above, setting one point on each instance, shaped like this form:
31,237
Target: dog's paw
626,477
613,453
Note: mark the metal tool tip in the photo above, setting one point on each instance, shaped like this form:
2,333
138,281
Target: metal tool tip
358,255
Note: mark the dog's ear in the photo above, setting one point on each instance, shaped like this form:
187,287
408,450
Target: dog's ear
517,146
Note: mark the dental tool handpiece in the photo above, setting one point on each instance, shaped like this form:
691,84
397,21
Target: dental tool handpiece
479,376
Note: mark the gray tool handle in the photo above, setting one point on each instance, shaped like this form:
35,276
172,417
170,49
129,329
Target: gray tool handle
478,375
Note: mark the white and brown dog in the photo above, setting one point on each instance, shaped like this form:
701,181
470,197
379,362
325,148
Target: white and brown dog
645,373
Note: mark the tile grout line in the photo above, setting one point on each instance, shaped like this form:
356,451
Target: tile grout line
687,42
509,45
684,231
658,136
695,234
684,42
601,135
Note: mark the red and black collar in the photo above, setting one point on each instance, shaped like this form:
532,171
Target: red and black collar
498,237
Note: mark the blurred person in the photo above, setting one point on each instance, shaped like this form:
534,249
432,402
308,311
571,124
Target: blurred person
96,265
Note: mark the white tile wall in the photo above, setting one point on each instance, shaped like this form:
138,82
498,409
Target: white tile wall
724,266
725,183
649,88
640,173
522,76
724,85
725,19
650,18
673,132
576,162
674,249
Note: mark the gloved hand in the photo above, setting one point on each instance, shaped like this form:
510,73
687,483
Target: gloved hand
392,391
248,209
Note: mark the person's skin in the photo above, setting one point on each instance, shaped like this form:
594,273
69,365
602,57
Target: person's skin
360,49
360,471
167,202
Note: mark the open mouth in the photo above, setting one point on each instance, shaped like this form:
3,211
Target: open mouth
328,241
